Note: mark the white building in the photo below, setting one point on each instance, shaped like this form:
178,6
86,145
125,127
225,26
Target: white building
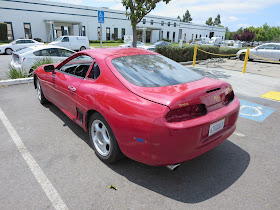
49,20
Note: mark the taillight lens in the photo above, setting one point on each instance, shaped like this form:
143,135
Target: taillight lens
228,98
186,113
21,59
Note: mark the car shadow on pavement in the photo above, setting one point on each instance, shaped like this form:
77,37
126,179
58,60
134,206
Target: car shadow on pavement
68,122
214,74
194,181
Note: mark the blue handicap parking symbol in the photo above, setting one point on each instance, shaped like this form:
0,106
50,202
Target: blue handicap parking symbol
254,111
101,17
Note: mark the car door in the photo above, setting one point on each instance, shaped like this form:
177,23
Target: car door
269,52
65,42
67,81
277,52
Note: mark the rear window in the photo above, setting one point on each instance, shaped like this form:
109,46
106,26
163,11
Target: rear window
24,50
153,71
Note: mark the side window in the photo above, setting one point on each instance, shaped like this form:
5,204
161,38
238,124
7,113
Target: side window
64,53
270,47
19,41
65,39
95,72
278,47
53,52
44,52
78,66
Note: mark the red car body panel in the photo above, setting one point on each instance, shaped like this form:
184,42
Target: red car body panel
137,114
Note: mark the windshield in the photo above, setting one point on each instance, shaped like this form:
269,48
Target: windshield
153,71
59,39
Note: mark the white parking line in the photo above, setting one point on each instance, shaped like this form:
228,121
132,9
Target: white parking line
45,183
239,134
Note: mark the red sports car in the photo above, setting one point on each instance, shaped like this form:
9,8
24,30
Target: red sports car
140,104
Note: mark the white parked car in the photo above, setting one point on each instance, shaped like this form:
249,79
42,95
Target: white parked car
17,45
270,51
72,42
129,44
147,47
25,58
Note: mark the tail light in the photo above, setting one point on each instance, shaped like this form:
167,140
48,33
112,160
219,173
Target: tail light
21,59
228,98
186,113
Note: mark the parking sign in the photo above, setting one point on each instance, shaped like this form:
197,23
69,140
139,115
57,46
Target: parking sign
100,16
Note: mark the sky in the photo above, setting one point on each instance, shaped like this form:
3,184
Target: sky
234,13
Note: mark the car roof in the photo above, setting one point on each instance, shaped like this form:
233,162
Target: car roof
40,47
102,53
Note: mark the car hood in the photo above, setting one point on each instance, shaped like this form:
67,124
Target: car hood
4,45
54,43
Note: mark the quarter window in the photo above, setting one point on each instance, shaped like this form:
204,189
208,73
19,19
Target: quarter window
95,72
27,31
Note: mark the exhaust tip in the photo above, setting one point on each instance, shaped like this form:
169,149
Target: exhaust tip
173,167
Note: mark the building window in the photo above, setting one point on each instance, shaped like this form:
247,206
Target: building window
107,33
116,34
168,23
123,33
144,21
174,34
98,33
27,31
167,36
161,35
174,24
83,31
200,36
222,37
152,22
162,23
196,36
10,31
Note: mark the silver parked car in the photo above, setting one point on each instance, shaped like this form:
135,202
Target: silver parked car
269,51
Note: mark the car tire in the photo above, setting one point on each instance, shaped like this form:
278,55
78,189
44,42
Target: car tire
83,48
40,93
8,51
103,140
242,57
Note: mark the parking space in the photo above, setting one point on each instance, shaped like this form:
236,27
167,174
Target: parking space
4,61
254,67
242,172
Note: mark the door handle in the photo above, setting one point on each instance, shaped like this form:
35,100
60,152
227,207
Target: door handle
72,89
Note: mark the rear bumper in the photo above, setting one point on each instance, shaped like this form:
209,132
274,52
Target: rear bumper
173,143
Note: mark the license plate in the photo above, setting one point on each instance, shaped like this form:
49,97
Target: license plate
216,127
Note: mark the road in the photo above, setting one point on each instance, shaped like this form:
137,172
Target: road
241,173
4,61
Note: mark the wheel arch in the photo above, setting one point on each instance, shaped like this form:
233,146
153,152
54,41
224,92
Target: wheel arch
35,81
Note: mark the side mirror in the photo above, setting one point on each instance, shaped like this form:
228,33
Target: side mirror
49,68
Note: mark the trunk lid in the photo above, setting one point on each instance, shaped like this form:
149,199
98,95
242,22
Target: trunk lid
205,91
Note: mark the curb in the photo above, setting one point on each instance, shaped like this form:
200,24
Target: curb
16,81
189,62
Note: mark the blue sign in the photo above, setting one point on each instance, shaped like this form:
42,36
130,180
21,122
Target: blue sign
100,16
254,111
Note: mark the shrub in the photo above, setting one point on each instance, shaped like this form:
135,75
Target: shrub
13,73
167,40
3,32
107,41
185,53
39,62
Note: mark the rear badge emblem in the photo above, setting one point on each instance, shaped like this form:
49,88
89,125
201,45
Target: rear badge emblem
216,98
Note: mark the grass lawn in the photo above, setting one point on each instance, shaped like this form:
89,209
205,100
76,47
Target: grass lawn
97,45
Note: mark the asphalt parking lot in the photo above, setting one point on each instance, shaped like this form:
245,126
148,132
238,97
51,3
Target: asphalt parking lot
241,173
4,62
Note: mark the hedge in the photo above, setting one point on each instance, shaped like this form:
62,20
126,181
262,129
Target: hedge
3,32
183,54
107,41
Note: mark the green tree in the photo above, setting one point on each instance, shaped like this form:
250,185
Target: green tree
136,10
187,17
217,20
209,22
229,35
179,18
